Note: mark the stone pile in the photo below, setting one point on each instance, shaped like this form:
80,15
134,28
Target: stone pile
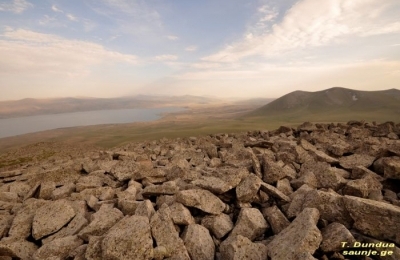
313,192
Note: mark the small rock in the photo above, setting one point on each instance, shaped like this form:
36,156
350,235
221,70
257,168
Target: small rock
276,219
250,224
334,235
219,225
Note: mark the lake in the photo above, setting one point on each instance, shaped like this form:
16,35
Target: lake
30,124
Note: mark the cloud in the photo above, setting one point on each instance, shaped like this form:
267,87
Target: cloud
15,6
191,48
206,65
26,52
172,37
55,9
166,57
311,23
71,17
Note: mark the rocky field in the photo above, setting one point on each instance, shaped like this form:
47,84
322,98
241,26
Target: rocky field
320,191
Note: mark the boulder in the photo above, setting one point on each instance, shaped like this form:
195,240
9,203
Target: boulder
60,248
201,199
164,233
101,222
304,229
250,224
240,247
374,218
198,242
219,225
51,217
130,238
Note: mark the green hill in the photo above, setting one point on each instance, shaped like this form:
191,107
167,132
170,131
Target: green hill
334,104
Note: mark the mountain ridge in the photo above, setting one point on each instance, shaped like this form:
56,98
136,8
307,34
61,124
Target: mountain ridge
334,101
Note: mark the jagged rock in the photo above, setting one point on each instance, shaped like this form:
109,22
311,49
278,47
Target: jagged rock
124,170
284,186
180,214
128,206
334,235
51,217
276,219
273,172
5,224
296,204
274,192
389,167
240,247
198,242
88,182
164,233
9,197
46,190
354,160
248,188
145,209
60,247
101,222
76,225
222,180
250,224
167,188
304,229
373,218
219,225
308,178
93,250
63,192
130,238
201,199
363,187
20,249
330,205
22,223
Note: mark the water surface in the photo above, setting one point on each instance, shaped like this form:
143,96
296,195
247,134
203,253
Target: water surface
30,124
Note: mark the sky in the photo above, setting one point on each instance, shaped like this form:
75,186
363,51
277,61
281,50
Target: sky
221,48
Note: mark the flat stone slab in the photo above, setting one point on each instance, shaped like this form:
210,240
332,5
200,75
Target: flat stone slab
51,217
377,219
201,199
130,238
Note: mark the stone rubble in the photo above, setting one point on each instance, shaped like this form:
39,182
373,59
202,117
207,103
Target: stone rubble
290,194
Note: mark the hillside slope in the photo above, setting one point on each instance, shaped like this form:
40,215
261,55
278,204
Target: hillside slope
334,104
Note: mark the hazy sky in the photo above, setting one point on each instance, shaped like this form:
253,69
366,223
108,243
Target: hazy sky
231,48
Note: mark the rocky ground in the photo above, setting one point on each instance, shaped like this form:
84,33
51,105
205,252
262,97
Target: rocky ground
321,191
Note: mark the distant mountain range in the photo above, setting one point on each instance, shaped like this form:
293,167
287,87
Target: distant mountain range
30,106
334,104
